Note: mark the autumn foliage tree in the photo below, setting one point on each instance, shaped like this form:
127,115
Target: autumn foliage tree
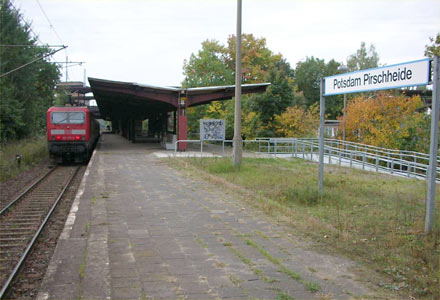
296,121
387,120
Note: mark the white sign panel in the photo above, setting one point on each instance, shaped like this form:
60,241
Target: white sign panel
388,77
212,130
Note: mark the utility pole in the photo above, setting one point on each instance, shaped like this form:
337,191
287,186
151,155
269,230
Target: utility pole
68,64
67,72
237,140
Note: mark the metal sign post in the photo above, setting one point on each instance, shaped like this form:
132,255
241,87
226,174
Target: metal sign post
321,137
413,73
433,149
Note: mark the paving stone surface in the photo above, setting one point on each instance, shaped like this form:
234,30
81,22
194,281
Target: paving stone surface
141,230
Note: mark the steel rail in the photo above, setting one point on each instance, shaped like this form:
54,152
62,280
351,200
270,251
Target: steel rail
35,237
26,191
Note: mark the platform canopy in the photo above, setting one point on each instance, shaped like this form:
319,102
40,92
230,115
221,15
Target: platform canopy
118,99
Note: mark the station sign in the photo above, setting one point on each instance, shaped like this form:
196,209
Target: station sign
388,77
212,129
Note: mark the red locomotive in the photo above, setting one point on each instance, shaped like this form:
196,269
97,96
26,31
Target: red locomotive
72,133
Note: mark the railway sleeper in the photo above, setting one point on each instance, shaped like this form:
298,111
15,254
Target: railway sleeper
37,220
5,240
15,233
28,215
14,229
37,212
9,246
9,260
21,224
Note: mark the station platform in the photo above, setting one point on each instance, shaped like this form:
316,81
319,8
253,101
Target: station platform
139,229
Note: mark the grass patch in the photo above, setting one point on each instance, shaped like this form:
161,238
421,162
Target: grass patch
32,151
250,264
200,242
235,280
241,256
311,286
284,296
82,269
376,219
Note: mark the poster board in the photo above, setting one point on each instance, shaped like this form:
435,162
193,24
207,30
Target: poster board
212,129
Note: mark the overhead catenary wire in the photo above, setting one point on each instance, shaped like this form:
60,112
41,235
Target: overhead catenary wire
50,23
56,33
20,16
32,61
35,46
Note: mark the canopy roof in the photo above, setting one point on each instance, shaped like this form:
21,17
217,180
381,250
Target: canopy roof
118,99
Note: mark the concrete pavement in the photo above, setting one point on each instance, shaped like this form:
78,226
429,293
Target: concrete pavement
139,229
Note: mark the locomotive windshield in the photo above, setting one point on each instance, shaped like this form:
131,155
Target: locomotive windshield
68,117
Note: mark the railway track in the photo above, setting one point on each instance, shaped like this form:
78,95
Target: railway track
23,219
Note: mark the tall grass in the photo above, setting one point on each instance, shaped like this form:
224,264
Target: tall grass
32,151
376,219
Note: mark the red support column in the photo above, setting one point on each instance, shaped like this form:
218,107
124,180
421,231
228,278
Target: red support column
182,123
182,132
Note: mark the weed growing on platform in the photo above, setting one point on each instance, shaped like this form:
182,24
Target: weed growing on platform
200,242
311,286
284,296
374,218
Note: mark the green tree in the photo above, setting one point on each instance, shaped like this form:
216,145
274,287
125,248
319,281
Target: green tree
214,64
363,58
308,74
209,67
256,59
279,96
28,92
434,49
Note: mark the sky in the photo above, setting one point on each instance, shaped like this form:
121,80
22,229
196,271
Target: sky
147,41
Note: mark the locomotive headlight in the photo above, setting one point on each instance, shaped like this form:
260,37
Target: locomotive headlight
77,137
58,137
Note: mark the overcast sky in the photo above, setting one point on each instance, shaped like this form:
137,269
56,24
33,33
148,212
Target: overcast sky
146,41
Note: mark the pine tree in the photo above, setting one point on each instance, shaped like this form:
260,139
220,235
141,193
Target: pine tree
25,94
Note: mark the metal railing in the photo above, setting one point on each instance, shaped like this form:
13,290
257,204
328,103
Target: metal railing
256,145
399,162
403,163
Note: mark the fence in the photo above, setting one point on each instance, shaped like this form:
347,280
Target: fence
248,145
355,155
399,162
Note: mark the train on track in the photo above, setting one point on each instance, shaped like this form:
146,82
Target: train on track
72,133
